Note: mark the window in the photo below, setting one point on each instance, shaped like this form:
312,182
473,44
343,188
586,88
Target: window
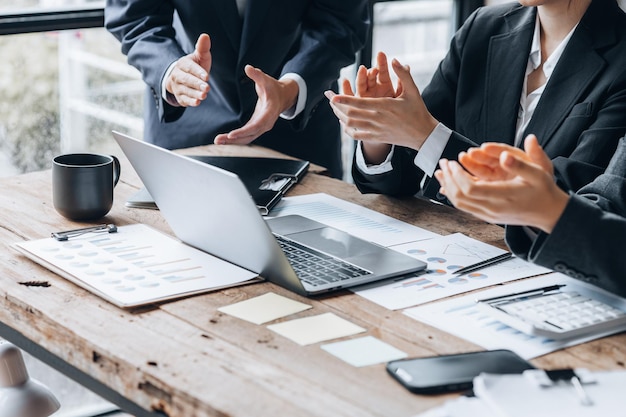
63,90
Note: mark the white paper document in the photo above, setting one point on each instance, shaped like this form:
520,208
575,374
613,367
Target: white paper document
357,220
444,255
137,265
314,329
463,317
364,351
264,308
520,395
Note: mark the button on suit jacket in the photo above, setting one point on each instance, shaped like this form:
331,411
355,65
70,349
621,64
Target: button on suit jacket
313,38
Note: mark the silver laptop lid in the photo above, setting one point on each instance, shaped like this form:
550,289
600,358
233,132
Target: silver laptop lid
210,209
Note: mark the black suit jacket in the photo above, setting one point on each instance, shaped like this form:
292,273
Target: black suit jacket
589,240
313,38
476,92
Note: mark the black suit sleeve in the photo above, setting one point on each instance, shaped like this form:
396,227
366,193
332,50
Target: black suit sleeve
588,240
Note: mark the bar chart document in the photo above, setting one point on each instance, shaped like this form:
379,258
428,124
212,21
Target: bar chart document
137,265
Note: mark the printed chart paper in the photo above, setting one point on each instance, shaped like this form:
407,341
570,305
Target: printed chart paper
463,318
359,221
444,255
137,265
264,308
364,351
314,329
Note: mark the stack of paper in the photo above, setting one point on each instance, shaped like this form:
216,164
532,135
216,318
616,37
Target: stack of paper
520,395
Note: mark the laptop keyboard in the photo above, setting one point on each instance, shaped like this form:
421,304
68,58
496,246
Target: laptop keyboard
317,268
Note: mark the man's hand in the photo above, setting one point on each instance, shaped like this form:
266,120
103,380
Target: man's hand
274,98
189,80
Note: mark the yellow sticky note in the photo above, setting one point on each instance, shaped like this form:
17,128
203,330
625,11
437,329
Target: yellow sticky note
309,330
264,308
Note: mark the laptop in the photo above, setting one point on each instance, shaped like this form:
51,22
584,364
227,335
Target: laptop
210,209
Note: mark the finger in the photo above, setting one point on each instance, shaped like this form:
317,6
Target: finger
537,154
477,156
223,139
495,149
404,76
188,89
357,121
345,87
522,168
478,169
399,89
383,68
372,76
360,83
360,103
186,76
259,77
202,54
456,191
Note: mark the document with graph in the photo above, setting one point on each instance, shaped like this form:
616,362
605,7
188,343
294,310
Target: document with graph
444,256
357,220
136,265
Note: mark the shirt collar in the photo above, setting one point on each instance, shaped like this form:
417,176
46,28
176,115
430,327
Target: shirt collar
534,58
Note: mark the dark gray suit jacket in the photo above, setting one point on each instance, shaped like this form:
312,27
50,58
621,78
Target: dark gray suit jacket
589,240
313,38
476,92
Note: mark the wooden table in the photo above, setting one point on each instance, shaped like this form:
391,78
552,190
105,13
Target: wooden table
186,359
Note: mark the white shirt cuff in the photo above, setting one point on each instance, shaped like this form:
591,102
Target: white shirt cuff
168,97
292,112
365,168
430,153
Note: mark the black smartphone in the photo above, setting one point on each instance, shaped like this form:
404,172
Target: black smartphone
449,373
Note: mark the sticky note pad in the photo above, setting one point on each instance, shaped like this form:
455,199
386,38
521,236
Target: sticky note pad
364,351
264,308
309,330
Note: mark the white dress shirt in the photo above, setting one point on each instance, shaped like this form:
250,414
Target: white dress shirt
428,156
288,114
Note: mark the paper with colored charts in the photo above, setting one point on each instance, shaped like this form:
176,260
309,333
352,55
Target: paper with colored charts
444,255
462,317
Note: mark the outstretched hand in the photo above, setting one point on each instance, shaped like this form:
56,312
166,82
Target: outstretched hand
274,97
188,82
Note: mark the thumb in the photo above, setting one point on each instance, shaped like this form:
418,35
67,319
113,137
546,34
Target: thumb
202,53
520,167
537,154
253,73
405,80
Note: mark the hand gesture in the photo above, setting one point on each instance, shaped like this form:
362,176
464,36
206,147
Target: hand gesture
527,196
484,162
401,120
189,80
373,82
274,98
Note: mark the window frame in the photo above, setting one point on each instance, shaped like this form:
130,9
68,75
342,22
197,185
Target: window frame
46,20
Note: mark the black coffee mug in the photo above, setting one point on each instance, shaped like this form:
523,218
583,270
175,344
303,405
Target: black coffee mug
82,184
